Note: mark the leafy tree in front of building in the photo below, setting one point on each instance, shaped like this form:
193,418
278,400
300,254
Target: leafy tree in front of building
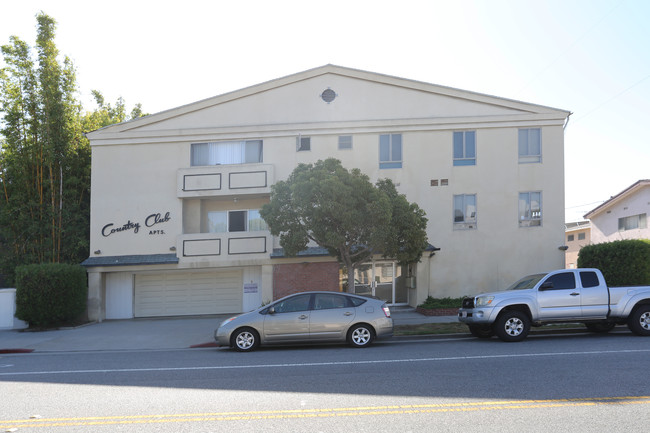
44,155
342,211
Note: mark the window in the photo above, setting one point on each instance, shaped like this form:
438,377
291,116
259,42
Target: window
465,211
530,145
345,142
328,302
562,281
581,236
569,238
235,221
530,209
226,152
465,148
390,151
303,143
632,222
293,304
589,279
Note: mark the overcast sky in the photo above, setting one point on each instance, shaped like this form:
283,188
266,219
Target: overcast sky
591,57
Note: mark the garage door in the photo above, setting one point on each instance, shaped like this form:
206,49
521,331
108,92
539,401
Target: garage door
188,293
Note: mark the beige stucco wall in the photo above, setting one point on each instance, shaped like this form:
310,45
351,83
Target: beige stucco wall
136,172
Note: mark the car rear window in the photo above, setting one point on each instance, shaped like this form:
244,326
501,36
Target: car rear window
357,301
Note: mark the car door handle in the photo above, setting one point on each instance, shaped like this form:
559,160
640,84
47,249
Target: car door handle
347,313
575,294
303,317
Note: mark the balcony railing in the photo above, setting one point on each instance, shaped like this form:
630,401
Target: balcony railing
225,180
224,246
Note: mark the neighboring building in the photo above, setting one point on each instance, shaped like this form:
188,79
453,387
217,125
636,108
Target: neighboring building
578,234
175,226
623,216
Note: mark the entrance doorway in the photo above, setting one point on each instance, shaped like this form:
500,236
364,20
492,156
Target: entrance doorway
385,280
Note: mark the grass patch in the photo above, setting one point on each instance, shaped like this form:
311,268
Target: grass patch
431,328
432,302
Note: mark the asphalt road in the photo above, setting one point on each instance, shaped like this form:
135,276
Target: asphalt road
577,383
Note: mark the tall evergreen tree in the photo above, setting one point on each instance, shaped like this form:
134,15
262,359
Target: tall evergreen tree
44,155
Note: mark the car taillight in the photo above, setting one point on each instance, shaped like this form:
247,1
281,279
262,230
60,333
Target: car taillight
386,310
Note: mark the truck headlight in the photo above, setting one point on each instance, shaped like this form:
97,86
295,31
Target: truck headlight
484,301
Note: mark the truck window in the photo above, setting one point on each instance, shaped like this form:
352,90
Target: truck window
565,280
589,279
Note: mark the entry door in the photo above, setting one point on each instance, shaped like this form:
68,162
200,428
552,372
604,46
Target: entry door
383,280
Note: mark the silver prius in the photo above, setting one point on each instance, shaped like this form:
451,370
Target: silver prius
312,317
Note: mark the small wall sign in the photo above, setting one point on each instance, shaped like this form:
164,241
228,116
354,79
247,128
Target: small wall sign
150,221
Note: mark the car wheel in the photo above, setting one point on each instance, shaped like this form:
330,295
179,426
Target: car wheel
481,331
512,325
639,320
361,335
600,327
245,340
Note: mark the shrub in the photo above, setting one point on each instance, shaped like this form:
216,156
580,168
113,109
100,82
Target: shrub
623,263
50,294
432,302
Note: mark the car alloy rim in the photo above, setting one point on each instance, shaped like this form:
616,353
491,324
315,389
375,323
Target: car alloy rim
245,340
645,321
361,336
514,326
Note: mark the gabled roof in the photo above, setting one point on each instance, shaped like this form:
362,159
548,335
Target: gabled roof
627,192
271,90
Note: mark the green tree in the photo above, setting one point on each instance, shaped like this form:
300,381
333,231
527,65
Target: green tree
342,211
44,155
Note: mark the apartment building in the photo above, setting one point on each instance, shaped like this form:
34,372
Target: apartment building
175,224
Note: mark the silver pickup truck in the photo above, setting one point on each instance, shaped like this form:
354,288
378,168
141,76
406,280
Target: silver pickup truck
567,295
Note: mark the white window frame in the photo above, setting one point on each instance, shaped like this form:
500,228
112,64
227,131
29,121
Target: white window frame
526,146
303,144
345,142
529,216
226,152
463,160
252,219
466,204
633,222
391,161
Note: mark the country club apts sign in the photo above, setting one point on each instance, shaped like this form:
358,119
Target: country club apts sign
150,222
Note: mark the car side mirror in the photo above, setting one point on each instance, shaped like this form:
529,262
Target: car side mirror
271,310
546,286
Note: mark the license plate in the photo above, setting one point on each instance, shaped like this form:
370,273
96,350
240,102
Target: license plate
463,314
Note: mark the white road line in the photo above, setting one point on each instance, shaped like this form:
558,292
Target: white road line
322,364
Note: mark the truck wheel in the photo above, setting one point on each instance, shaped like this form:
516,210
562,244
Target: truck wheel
481,331
600,327
639,320
512,325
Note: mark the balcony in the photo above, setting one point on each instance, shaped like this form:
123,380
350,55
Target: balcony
225,181
225,246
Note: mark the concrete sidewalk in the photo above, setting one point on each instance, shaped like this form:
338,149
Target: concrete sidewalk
148,334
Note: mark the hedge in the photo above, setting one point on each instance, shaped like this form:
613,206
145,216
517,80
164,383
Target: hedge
50,294
623,263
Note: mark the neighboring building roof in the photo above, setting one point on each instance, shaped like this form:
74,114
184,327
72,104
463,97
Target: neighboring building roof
148,259
578,225
618,198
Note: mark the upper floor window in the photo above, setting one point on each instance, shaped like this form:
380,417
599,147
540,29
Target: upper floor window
530,209
390,151
226,152
581,236
530,145
303,143
465,211
345,142
570,238
632,222
235,221
465,148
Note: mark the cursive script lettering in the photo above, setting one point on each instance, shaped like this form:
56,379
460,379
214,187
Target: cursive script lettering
156,218
107,230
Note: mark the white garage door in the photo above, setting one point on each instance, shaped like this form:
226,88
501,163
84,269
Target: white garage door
188,293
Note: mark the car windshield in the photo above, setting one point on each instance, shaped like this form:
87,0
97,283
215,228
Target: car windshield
527,282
